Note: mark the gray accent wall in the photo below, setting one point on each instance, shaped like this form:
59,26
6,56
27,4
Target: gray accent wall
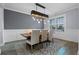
16,20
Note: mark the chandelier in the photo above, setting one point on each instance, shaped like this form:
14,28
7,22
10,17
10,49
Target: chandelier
39,16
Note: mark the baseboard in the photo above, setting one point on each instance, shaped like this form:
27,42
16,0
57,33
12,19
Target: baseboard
16,41
66,40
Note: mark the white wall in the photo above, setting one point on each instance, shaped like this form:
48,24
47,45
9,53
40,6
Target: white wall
1,26
0,51
14,34
71,26
70,35
78,31
78,42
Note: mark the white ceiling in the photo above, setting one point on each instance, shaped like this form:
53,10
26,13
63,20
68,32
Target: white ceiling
52,8
59,7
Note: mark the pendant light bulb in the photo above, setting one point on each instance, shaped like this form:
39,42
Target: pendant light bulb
38,21
33,18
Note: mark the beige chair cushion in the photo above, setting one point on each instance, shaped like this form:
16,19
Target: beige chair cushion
34,37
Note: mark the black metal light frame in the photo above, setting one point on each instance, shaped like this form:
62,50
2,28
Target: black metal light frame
39,13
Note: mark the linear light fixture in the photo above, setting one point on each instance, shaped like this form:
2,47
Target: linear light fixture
39,15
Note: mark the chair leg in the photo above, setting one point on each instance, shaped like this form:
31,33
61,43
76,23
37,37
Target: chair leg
31,47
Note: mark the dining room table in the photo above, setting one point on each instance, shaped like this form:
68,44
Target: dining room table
28,36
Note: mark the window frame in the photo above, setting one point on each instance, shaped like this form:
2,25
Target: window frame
64,22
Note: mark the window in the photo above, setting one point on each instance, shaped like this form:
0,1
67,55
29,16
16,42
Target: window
57,23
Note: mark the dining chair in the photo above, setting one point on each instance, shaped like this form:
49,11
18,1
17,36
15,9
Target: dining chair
44,35
51,34
34,38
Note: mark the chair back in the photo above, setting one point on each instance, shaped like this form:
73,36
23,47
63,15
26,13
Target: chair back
51,35
44,35
35,37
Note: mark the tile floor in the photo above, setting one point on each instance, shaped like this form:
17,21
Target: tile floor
56,47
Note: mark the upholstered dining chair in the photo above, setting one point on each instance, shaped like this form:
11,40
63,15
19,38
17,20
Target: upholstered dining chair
51,34
34,38
44,35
